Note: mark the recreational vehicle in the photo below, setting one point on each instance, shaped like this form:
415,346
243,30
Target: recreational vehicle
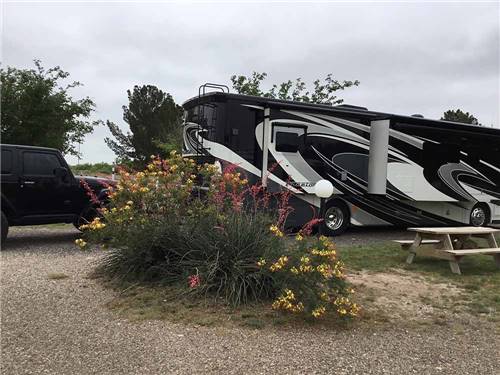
386,169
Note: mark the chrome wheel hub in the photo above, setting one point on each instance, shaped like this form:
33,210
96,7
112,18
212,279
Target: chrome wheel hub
478,217
334,218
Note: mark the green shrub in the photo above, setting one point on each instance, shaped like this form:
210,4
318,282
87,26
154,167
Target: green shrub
212,235
223,253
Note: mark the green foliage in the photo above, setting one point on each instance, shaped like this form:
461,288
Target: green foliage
323,90
161,227
225,252
154,120
460,116
90,169
38,110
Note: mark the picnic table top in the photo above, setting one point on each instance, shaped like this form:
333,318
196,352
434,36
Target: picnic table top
456,230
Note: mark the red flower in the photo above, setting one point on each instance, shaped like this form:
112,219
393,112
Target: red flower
194,281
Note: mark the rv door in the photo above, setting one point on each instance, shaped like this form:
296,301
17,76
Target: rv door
285,141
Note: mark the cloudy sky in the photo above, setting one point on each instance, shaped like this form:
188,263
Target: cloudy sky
410,57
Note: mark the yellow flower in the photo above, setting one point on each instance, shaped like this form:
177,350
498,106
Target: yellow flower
277,232
324,253
317,312
285,302
323,238
80,242
299,237
261,262
305,260
354,310
305,269
279,264
144,189
325,270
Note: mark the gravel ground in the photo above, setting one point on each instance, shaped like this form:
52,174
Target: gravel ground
62,327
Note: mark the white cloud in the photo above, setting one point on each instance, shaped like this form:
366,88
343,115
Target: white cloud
410,58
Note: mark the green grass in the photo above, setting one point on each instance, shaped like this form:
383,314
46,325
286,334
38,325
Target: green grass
480,277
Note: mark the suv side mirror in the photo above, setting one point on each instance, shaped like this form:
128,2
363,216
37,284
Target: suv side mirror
61,173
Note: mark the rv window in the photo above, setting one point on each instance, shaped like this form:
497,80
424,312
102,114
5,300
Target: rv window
287,142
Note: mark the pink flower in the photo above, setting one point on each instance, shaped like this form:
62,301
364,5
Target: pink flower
194,281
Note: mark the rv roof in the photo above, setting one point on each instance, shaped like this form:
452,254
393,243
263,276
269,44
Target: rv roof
362,112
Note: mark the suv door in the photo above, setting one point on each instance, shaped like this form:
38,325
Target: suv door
9,180
41,191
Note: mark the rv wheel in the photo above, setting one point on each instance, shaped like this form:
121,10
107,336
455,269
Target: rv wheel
336,219
479,215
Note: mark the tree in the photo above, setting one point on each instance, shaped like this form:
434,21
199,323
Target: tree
38,110
154,120
459,116
323,92
92,169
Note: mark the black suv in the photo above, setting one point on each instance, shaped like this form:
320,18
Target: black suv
39,188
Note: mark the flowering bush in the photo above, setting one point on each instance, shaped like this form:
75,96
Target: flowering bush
214,235
309,278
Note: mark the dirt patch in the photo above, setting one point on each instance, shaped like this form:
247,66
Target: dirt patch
402,296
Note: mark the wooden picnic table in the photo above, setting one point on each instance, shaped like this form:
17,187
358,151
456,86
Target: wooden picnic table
452,244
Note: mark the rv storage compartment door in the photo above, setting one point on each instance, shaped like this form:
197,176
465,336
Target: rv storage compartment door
377,161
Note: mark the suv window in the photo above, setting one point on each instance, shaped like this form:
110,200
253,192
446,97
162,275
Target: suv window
40,163
6,161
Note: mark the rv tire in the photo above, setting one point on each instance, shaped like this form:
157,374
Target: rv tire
479,215
336,218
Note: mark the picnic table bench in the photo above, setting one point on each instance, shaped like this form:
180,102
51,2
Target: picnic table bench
451,244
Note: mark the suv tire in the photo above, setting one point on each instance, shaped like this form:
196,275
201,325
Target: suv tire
5,227
89,214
